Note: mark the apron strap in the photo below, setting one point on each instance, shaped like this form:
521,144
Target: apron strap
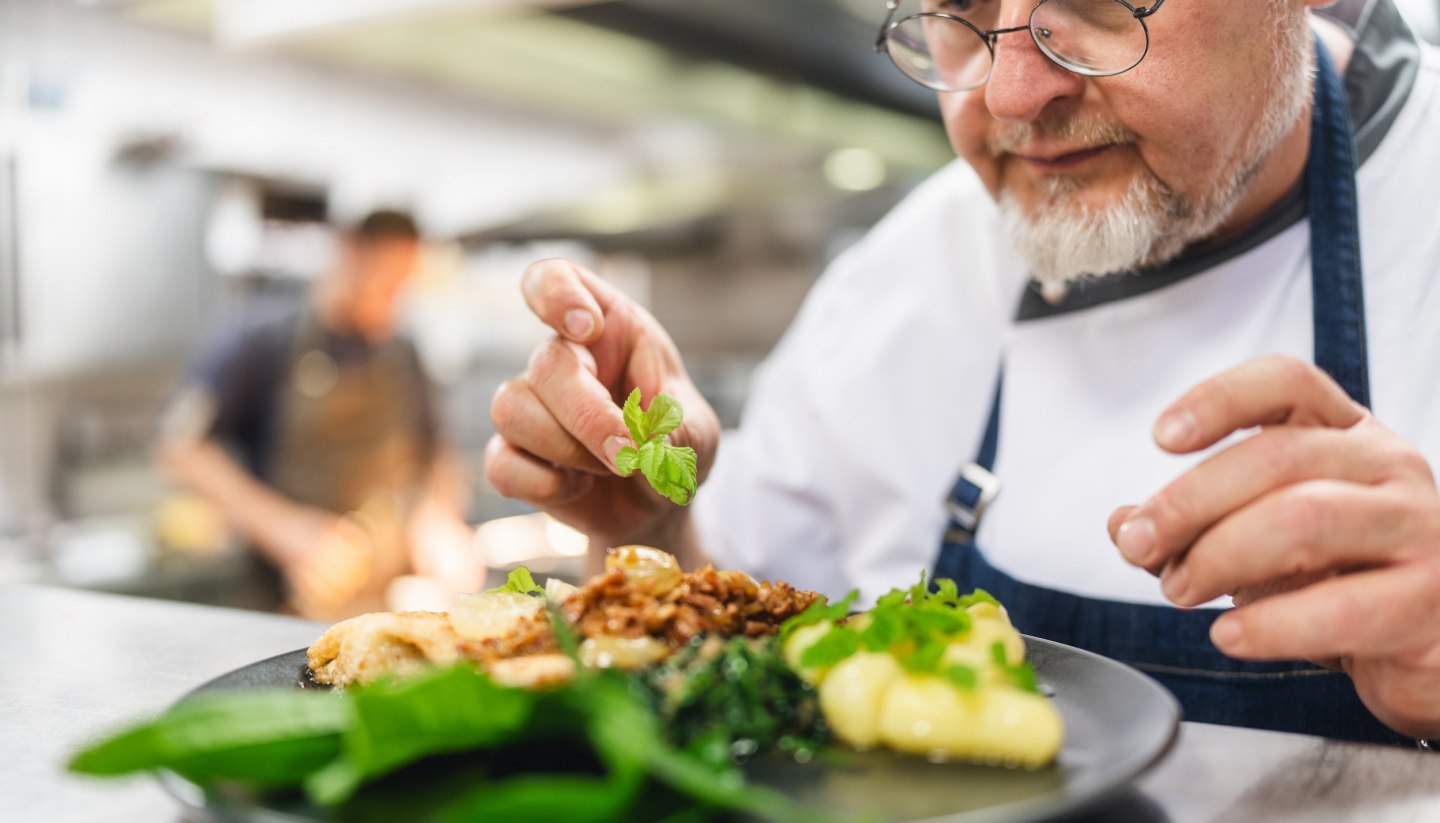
1335,272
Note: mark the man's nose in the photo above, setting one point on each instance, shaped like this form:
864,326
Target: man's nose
1024,81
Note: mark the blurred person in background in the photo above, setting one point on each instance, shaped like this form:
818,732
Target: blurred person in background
314,431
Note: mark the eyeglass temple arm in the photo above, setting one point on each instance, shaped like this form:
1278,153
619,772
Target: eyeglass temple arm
1141,12
890,7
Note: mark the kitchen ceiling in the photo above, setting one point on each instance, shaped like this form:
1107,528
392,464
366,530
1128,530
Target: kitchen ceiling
799,68
777,84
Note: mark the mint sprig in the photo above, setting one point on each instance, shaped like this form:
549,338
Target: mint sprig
519,581
670,469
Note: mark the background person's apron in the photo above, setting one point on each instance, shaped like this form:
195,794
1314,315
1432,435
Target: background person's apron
1171,644
348,441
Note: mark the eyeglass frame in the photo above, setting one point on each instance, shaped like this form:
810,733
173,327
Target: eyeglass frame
991,37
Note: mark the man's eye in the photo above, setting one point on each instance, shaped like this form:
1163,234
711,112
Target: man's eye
950,6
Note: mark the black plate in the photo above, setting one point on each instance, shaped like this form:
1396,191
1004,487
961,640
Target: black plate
1118,723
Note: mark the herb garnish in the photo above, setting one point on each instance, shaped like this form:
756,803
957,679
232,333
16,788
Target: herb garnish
915,625
669,468
519,581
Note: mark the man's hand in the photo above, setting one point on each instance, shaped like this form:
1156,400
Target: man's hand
1324,526
558,426
326,559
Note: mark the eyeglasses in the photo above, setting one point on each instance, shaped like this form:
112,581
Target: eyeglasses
953,49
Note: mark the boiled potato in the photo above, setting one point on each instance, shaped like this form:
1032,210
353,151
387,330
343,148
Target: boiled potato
795,646
851,694
928,716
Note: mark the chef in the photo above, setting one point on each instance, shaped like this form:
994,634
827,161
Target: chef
315,433
1170,315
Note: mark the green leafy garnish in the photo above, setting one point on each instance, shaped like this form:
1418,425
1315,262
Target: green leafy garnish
520,581
819,611
452,745
1020,674
832,647
670,469
914,624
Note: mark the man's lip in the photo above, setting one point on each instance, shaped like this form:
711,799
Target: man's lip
1056,160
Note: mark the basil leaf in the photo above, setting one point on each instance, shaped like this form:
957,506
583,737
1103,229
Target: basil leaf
447,710
262,737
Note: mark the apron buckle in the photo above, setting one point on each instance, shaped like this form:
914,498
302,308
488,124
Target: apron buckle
973,493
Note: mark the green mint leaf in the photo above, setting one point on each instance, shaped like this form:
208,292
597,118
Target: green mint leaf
886,629
634,417
671,470
892,598
1023,676
962,676
926,657
519,580
664,416
977,596
832,647
946,592
997,654
652,454
819,611
677,474
627,460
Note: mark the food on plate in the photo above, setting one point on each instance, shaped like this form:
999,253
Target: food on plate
636,614
931,673
637,695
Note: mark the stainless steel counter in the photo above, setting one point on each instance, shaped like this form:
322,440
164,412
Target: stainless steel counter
74,665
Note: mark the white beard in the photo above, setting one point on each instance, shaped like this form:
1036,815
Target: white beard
1063,243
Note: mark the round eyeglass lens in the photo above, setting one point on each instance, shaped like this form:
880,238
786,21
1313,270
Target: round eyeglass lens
1092,37
940,52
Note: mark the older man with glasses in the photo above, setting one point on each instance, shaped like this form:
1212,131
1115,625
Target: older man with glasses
1181,286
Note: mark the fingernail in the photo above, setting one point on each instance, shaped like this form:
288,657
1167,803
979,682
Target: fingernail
1174,581
1225,632
612,448
579,323
1174,430
1136,539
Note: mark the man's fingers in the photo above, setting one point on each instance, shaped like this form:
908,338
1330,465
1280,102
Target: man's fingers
1338,617
527,424
562,377
1151,534
1269,390
1306,529
519,476
566,300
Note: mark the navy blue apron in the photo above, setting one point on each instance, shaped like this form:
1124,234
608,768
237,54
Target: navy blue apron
1170,644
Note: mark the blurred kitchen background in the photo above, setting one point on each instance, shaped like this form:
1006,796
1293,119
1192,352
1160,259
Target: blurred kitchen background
162,161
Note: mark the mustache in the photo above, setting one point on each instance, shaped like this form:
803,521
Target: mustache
1082,131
